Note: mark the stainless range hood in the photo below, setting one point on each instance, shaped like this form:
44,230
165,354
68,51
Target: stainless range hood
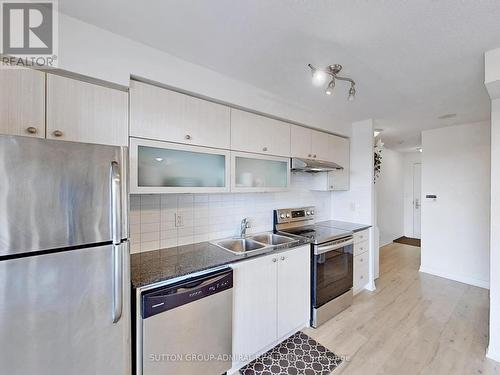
313,165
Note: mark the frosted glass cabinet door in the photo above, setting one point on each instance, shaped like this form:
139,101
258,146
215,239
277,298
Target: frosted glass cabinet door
256,173
162,167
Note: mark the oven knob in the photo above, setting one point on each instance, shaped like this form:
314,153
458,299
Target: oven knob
308,213
282,216
287,215
312,212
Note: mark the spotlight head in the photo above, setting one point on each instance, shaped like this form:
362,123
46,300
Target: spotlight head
319,77
352,94
331,86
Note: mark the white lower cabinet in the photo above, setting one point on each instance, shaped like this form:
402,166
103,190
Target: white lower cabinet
294,285
271,301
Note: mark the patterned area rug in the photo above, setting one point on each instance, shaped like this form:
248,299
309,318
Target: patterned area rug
297,355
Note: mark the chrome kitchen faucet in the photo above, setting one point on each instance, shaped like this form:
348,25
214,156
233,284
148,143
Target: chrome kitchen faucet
243,227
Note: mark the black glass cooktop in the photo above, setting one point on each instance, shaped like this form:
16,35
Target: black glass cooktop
317,234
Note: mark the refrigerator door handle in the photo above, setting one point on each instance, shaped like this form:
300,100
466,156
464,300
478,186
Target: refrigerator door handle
117,282
116,203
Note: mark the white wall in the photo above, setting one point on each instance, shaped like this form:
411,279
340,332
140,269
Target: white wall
90,51
494,345
390,196
212,216
358,204
409,160
455,227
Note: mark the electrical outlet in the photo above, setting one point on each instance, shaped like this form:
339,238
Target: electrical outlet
179,220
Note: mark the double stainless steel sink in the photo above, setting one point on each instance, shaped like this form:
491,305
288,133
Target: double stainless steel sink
253,243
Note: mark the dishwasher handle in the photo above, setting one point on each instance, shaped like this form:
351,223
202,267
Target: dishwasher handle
176,295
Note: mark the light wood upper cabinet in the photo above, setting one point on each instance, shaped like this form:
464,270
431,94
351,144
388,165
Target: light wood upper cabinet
166,115
22,102
340,154
301,142
321,145
311,144
259,134
83,112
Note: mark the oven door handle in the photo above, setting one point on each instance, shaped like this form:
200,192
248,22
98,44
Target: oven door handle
325,248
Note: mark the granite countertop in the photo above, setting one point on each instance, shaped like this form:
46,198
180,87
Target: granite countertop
355,227
160,265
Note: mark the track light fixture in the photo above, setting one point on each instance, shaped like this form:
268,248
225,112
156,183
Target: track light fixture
319,77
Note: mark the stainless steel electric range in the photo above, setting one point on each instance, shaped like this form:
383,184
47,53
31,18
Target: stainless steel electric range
331,261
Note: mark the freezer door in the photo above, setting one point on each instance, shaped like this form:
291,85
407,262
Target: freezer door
57,194
57,313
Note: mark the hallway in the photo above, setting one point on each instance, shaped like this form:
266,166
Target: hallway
413,323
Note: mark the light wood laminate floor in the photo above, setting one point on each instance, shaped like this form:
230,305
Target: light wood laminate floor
413,323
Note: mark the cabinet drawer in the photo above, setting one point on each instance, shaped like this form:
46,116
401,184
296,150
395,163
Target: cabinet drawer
361,236
361,271
361,247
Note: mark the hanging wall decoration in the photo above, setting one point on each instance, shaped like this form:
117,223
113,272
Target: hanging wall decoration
379,147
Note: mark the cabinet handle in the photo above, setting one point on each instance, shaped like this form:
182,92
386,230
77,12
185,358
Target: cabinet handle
275,260
309,155
264,149
188,137
331,186
361,277
57,133
360,259
314,155
31,130
283,258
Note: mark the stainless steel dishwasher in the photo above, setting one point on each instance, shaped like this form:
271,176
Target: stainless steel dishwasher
187,326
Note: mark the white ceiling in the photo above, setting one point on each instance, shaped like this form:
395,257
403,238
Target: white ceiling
413,61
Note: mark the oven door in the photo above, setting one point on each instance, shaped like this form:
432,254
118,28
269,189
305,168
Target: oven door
332,272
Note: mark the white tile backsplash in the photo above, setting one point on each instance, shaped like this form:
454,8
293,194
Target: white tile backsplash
211,216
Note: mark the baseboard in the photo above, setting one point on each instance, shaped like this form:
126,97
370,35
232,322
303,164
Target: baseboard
492,354
371,286
460,278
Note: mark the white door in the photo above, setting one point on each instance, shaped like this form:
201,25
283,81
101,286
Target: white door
254,307
417,198
293,289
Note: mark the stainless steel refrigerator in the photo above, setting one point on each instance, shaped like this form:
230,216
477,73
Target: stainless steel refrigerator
64,258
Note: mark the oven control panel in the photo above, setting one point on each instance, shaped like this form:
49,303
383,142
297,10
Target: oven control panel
288,215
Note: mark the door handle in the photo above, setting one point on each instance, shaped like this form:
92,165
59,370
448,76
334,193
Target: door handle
116,204
117,282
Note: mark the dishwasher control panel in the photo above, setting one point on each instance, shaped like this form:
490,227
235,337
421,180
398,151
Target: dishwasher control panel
168,297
